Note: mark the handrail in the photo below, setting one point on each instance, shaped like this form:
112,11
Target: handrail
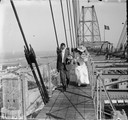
90,65
97,87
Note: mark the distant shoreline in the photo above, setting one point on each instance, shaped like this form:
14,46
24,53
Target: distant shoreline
41,59
20,55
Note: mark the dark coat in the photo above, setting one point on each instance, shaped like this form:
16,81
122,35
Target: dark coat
60,65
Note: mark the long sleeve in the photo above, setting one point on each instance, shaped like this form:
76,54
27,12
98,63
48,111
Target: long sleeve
59,59
58,51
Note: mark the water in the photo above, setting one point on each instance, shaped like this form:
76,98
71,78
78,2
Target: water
19,58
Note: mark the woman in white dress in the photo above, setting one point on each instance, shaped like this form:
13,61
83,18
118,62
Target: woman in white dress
81,69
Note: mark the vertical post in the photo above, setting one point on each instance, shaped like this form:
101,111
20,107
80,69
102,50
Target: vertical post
49,78
104,34
100,99
23,90
97,99
126,45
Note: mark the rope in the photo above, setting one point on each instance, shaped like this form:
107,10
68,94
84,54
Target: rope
64,22
54,23
69,23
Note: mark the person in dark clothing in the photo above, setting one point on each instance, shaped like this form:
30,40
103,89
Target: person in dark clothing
63,65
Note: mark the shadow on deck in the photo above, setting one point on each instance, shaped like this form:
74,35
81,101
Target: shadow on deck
73,104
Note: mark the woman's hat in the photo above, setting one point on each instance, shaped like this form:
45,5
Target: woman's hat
70,57
81,48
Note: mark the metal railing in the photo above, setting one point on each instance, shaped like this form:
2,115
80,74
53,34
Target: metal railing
98,86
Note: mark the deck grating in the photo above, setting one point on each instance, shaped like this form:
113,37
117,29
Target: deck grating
73,104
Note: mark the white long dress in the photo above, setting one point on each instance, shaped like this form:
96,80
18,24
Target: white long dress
82,74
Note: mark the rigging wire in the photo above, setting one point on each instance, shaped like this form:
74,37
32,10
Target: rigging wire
77,18
75,9
76,12
64,22
19,24
78,21
69,23
79,9
72,23
54,23
74,15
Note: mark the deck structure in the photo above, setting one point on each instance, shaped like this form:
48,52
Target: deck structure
75,103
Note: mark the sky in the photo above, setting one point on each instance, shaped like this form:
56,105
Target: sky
36,21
